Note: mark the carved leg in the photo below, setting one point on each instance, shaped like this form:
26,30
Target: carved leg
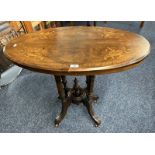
88,100
60,117
88,103
65,101
64,81
93,97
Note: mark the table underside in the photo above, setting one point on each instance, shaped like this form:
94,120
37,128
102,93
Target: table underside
76,95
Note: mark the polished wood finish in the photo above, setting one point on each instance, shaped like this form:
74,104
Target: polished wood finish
93,50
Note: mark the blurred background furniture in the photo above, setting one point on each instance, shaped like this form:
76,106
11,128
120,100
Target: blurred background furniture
8,31
8,71
141,24
105,22
30,26
27,26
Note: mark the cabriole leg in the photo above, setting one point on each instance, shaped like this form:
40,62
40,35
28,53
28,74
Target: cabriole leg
64,81
88,82
65,101
88,100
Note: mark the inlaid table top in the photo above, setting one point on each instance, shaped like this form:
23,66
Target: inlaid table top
78,50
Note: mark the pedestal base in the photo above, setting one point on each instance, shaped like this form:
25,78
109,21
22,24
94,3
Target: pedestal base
76,95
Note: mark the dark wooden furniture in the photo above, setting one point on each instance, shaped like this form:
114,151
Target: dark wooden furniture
140,26
78,51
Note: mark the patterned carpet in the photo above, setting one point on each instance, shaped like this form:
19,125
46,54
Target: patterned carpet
126,103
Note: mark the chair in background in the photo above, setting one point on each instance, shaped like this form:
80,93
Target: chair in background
31,26
28,26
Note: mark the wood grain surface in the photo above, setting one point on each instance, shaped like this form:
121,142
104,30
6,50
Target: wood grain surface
78,50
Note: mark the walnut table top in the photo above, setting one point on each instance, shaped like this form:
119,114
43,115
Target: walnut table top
79,50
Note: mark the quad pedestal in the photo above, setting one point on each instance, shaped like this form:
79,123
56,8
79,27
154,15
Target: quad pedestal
76,95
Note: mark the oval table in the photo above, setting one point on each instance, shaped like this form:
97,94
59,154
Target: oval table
78,51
